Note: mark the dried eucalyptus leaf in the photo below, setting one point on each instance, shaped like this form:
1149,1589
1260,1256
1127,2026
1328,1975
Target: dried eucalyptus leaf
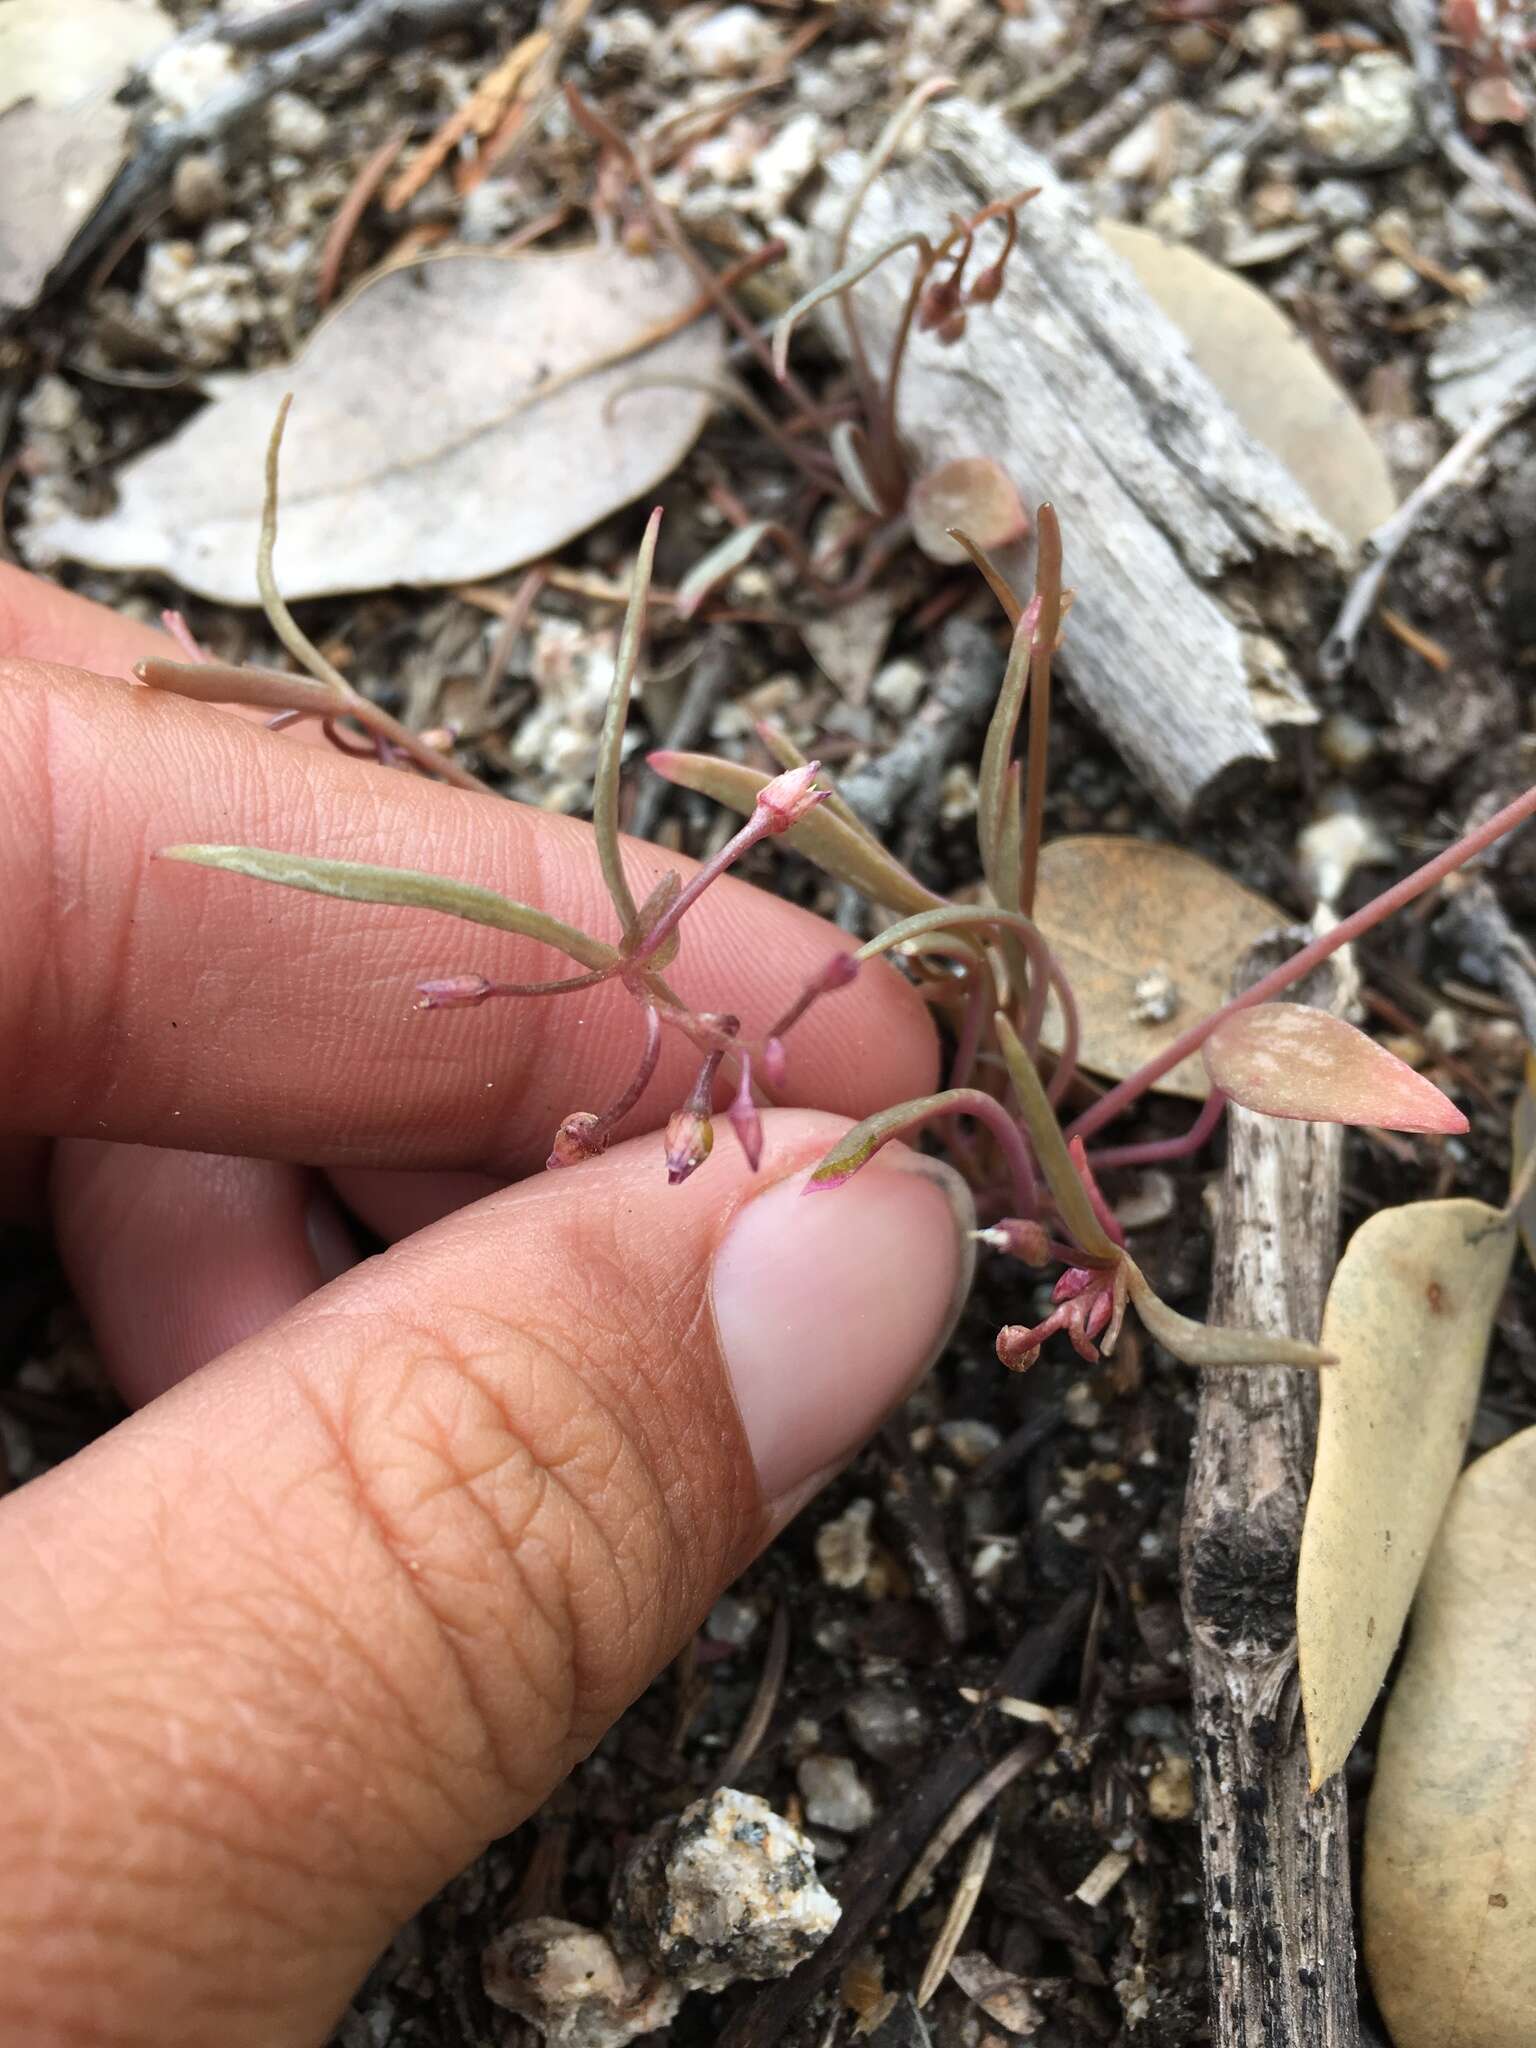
1147,936
823,837
1408,1318
1449,1906
449,421
1269,374
63,136
357,882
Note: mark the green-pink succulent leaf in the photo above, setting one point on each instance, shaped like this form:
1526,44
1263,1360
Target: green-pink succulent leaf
356,882
722,561
1208,1343
1285,1059
610,746
832,287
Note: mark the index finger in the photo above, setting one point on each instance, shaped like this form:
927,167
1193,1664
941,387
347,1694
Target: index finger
178,1006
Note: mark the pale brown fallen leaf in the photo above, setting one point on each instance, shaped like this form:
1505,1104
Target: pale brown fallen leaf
1269,375
1449,1895
1522,1143
1148,936
1408,1319
63,136
1001,1995
452,419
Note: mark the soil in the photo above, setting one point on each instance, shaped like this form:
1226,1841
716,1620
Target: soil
1002,1505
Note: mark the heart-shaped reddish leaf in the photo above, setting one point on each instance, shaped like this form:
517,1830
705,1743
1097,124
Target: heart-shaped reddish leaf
1286,1060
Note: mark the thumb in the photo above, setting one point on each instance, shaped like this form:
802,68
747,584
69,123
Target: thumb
286,1649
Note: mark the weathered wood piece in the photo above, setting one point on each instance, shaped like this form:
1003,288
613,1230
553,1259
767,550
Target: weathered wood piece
1278,1924
1087,395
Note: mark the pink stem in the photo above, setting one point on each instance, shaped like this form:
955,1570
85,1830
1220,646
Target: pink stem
1161,1151
757,827
639,1081
1301,964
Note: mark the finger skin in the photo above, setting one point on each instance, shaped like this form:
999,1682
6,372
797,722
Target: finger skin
176,1257
156,1002
286,1649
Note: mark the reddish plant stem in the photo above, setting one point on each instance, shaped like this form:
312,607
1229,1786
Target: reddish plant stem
1162,1151
1301,964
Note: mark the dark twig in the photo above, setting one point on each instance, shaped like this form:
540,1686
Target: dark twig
750,1737
1279,1943
1490,949
710,673
910,1503
1157,80
1416,21
346,35
1386,543
963,694
871,1875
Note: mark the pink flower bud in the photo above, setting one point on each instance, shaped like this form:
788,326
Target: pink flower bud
774,1064
690,1140
454,992
744,1119
952,329
938,304
579,1137
1017,1348
790,797
987,284
1020,1238
841,969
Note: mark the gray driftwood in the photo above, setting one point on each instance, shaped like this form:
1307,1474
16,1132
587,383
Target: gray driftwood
1086,394
1278,1924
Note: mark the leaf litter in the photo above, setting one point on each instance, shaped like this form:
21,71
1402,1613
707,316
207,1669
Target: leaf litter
1408,1318
1449,1906
454,418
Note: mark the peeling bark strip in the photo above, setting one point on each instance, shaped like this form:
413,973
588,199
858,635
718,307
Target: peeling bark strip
1087,395
1278,1924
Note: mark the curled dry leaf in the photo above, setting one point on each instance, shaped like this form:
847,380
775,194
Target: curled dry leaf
1449,1896
62,134
974,493
1284,1059
1270,375
1522,1143
1146,935
1408,1318
1001,1995
454,418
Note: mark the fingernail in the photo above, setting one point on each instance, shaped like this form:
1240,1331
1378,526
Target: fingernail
832,1306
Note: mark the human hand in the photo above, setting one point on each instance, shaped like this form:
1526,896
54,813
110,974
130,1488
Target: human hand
396,1540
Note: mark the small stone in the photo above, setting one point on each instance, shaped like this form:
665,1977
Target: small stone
844,1549
1393,280
1154,996
969,1441
52,406
567,1982
627,36
187,73
198,190
888,1726
1339,203
900,687
1193,47
1171,1790
1346,742
728,44
1271,31
296,124
1371,112
1355,251
780,169
727,1890
732,1621
957,795
835,1795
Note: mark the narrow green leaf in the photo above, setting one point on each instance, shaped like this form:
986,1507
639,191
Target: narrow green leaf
610,748
722,560
847,443
1067,1191
831,287
823,838
950,917
356,882
997,754
1209,1343
222,682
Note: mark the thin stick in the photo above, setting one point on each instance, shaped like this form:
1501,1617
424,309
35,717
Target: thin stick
338,236
1416,22
973,1875
1384,545
371,716
764,1700
967,1808
1048,592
